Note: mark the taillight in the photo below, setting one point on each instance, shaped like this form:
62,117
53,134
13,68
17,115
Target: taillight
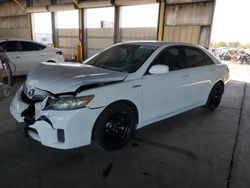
227,69
59,53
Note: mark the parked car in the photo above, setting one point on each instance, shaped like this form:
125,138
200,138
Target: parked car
26,54
123,88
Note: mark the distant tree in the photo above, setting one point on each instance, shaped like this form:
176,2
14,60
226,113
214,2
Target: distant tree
237,44
218,44
242,46
247,45
234,44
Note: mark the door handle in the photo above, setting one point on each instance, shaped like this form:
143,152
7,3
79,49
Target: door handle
42,55
215,69
15,57
185,76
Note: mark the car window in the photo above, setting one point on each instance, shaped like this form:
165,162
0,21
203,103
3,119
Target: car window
40,46
125,57
171,57
11,46
196,57
31,46
118,57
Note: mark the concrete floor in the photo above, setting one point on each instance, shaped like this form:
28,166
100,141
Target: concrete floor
195,149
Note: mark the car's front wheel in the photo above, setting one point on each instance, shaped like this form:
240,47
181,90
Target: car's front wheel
215,96
115,126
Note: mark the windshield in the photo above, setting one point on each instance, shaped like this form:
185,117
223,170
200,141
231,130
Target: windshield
124,58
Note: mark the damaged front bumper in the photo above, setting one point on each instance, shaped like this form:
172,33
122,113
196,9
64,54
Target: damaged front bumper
58,129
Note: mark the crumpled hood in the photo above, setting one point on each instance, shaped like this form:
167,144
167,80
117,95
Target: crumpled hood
67,77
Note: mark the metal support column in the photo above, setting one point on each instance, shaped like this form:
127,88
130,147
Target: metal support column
84,34
117,36
161,20
30,26
54,30
81,42
29,3
211,24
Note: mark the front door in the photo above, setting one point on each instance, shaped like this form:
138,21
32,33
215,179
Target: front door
166,93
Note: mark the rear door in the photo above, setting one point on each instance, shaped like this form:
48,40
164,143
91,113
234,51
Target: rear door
166,93
13,49
200,73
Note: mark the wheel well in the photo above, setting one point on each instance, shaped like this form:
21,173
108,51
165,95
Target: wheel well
51,61
221,83
131,104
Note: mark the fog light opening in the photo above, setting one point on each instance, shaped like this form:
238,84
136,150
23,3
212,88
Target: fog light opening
60,135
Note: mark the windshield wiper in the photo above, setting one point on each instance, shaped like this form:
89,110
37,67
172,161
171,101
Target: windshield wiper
113,68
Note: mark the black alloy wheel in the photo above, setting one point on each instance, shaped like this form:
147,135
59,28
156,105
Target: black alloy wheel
215,96
115,126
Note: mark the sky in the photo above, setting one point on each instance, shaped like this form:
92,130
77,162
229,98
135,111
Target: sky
231,21
41,23
96,15
131,16
66,19
140,15
69,19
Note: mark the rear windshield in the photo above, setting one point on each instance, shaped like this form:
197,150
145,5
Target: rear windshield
124,58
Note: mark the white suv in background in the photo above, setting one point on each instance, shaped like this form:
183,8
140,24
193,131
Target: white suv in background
25,54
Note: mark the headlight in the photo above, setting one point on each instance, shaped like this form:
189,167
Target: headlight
69,103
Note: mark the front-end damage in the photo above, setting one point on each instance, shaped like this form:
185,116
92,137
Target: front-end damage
52,107
59,129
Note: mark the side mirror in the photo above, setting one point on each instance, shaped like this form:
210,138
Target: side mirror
159,69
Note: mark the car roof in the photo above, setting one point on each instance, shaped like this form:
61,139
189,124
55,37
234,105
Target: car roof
159,43
16,39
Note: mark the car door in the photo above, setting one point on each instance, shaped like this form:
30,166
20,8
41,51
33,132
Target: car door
12,49
30,54
200,72
166,93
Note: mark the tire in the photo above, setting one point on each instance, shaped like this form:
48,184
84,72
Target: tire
115,126
215,97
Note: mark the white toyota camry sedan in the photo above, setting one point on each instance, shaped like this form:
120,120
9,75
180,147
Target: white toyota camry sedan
123,88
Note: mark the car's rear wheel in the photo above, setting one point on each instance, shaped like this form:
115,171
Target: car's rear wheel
215,96
115,126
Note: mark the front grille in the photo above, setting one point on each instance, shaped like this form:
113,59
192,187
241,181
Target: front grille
26,99
29,114
34,99
60,135
32,130
38,98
